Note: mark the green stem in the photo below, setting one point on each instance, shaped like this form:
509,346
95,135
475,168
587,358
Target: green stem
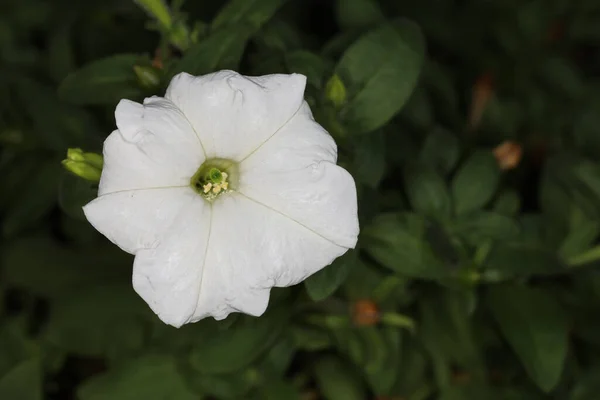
399,320
386,288
586,257
482,252
422,393
328,321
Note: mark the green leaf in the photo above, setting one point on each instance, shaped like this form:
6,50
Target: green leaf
581,234
231,30
502,116
60,55
280,355
418,112
16,170
562,75
416,370
398,242
444,245
508,203
369,159
441,150
56,125
587,387
98,321
440,82
337,381
520,393
231,386
278,36
158,10
23,382
536,327
14,347
521,260
380,70
308,64
585,129
470,391
221,50
104,81
277,389
148,377
311,339
45,268
253,13
353,14
555,198
234,349
374,350
384,351
475,183
481,226
427,192
447,333
325,282
35,200
74,193
589,174
570,191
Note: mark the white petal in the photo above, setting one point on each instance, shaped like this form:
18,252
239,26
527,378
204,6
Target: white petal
155,146
235,114
251,249
168,277
138,219
295,174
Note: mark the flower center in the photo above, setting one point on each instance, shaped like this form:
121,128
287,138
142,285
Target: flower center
214,178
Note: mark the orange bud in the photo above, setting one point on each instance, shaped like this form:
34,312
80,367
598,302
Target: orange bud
309,395
555,32
365,313
508,154
538,150
390,398
461,377
157,61
482,92
496,376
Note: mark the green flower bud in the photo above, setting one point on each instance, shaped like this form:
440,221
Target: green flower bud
75,155
335,91
94,159
148,77
85,165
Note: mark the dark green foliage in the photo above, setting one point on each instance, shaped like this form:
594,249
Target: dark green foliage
475,277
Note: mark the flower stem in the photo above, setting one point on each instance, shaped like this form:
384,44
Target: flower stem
399,320
586,257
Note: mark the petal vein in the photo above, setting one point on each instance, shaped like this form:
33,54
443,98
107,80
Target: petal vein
290,218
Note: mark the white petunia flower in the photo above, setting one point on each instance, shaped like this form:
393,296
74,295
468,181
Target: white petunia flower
223,189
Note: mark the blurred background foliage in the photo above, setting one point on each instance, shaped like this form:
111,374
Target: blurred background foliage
471,127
